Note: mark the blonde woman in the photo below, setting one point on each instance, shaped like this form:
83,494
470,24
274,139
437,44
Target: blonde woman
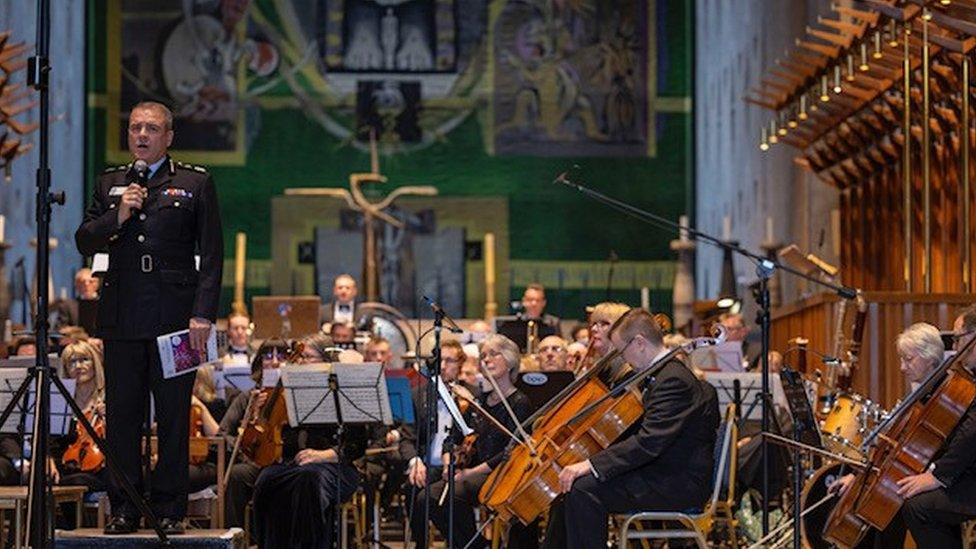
82,362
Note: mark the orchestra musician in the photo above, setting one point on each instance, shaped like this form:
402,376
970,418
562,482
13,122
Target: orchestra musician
295,499
938,500
419,466
342,308
151,226
534,303
664,462
239,349
552,354
603,316
500,360
243,472
82,362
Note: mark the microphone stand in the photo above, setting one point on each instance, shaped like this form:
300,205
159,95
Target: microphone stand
434,373
765,267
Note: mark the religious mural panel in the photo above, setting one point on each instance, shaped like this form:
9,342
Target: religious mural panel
556,77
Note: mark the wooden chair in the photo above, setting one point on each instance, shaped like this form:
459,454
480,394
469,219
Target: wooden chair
14,498
718,508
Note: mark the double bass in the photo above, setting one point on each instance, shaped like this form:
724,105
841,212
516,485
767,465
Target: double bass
903,445
584,419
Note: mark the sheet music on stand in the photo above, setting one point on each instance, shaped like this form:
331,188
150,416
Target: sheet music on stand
750,386
363,396
10,381
61,416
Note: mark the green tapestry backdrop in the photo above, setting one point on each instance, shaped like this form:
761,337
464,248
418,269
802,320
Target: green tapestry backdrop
474,97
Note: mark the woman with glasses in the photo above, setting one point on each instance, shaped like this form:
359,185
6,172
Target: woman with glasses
244,473
604,315
76,460
500,361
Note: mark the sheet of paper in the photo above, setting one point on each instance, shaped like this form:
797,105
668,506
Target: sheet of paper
362,393
307,396
176,356
60,411
10,381
238,376
363,396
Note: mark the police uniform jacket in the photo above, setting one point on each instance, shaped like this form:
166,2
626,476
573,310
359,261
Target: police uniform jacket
152,285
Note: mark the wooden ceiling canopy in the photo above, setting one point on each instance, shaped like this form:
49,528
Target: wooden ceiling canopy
877,97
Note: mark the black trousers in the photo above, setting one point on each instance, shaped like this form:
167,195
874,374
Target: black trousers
132,371
934,519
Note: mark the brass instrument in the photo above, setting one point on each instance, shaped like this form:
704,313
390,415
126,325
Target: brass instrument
530,360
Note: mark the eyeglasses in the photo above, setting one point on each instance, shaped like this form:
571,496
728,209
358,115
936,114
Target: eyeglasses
271,355
450,360
490,354
551,349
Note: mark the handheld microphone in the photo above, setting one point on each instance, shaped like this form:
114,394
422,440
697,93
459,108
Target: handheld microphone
142,171
141,168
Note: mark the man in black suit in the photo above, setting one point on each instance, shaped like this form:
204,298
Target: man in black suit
151,231
664,462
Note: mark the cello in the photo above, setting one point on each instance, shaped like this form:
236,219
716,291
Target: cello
587,420
903,445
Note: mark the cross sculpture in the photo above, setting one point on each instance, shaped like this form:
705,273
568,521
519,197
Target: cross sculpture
371,211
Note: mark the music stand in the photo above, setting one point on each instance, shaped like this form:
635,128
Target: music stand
358,395
541,387
516,328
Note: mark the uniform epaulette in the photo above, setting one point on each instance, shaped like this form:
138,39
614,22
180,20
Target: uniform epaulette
193,167
123,167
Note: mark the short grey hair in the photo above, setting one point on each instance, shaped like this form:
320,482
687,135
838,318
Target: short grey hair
508,348
157,106
923,340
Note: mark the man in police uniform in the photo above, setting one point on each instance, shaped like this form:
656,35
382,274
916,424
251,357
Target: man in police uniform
152,287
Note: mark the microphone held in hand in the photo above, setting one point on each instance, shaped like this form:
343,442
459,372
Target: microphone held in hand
142,171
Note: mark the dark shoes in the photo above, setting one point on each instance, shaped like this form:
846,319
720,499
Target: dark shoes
172,526
121,525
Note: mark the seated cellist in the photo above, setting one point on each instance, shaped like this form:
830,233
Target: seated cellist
664,462
938,500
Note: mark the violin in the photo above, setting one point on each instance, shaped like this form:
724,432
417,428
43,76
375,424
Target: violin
261,440
84,454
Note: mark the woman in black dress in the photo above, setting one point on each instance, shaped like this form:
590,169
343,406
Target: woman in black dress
294,500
